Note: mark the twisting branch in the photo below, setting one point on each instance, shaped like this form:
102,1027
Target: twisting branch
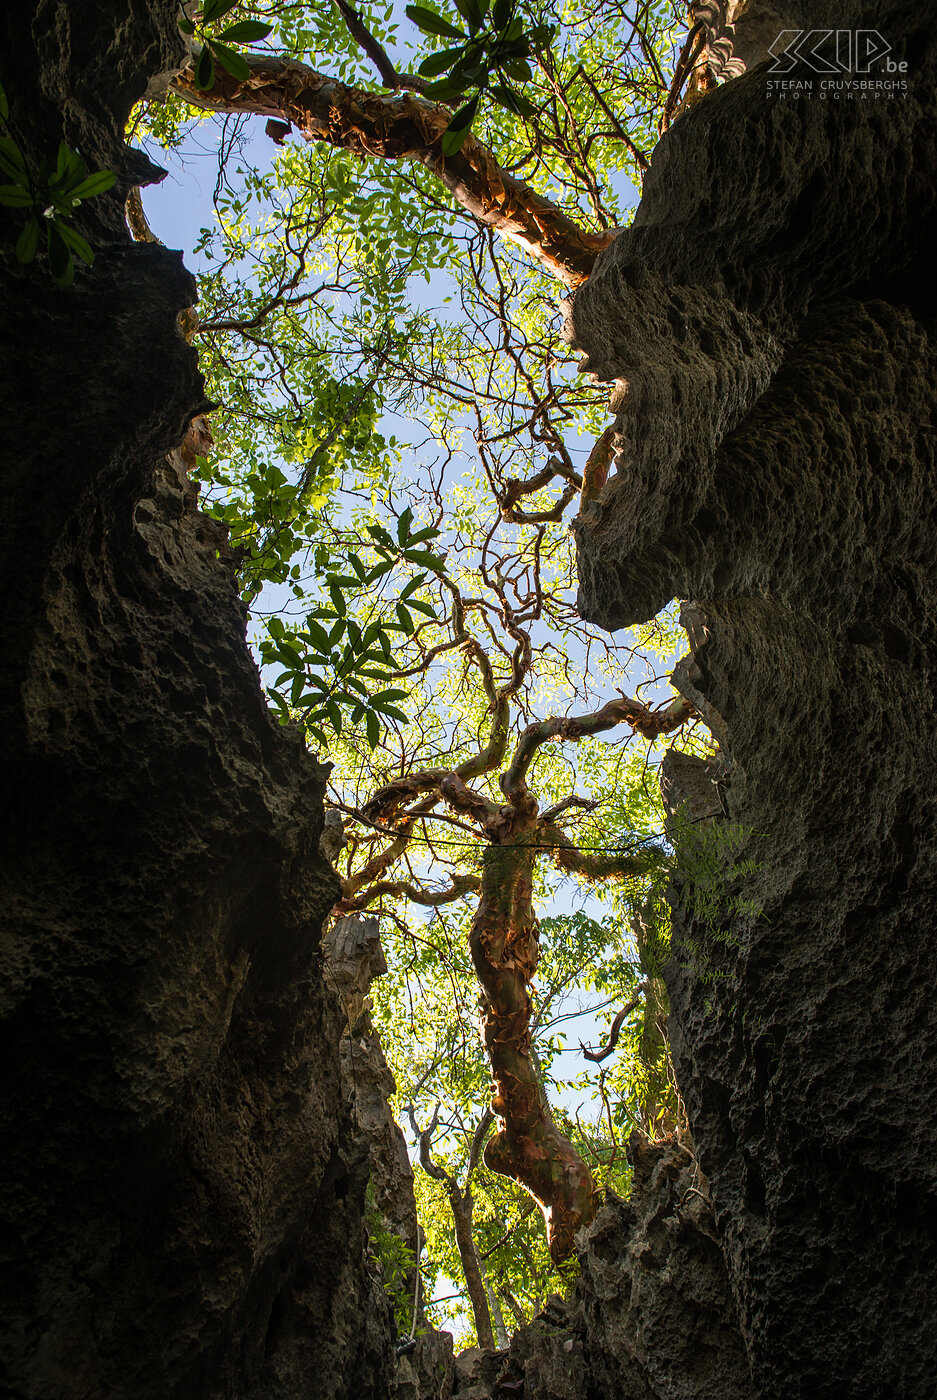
376,52
405,889
462,1205
610,865
597,1056
647,722
404,127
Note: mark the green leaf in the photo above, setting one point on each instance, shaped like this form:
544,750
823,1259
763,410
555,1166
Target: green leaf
15,196
4,104
446,90
515,48
389,695
28,242
520,69
214,9
453,141
231,60
394,713
338,599
12,160
501,13
514,101
431,23
205,69
404,521
318,635
406,621
470,11
542,36
97,183
425,560
423,608
373,726
458,128
412,586
69,167
440,62
335,715
184,23
60,259
377,532
75,242
247,31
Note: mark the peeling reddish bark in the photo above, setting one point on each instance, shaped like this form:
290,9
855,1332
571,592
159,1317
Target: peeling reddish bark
401,126
528,1146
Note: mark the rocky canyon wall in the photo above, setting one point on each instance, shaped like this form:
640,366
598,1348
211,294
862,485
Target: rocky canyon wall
182,1184
767,325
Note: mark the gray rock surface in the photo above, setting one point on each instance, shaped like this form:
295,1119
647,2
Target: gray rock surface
182,1183
651,1317
768,325
353,959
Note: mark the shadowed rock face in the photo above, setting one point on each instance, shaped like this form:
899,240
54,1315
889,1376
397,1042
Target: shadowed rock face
769,326
183,1187
651,1317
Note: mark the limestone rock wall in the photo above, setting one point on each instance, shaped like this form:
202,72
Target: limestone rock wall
768,327
183,1185
652,1315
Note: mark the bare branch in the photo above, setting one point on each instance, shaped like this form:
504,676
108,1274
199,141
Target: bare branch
598,1055
478,1140
647,722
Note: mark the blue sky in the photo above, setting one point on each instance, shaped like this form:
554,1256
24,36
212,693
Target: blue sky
178,209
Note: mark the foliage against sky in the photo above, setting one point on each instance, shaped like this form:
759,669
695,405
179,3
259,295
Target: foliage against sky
399,446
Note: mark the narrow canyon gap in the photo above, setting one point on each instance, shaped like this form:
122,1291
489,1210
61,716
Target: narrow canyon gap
183,1192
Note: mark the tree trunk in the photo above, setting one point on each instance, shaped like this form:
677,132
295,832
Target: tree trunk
465,1240
528,1147
497,1317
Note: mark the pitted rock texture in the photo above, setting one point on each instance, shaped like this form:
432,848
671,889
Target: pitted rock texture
769,325
353,959
652,1316
182,1184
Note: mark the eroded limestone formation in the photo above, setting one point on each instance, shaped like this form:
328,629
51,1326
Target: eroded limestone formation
183,1185
652,1316
768,326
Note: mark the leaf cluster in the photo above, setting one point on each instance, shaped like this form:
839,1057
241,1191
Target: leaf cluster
490,56
54,192
331,664
217,45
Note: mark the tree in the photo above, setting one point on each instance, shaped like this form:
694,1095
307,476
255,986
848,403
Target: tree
427,1020
312,339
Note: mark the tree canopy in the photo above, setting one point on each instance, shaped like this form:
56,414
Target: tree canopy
398,444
